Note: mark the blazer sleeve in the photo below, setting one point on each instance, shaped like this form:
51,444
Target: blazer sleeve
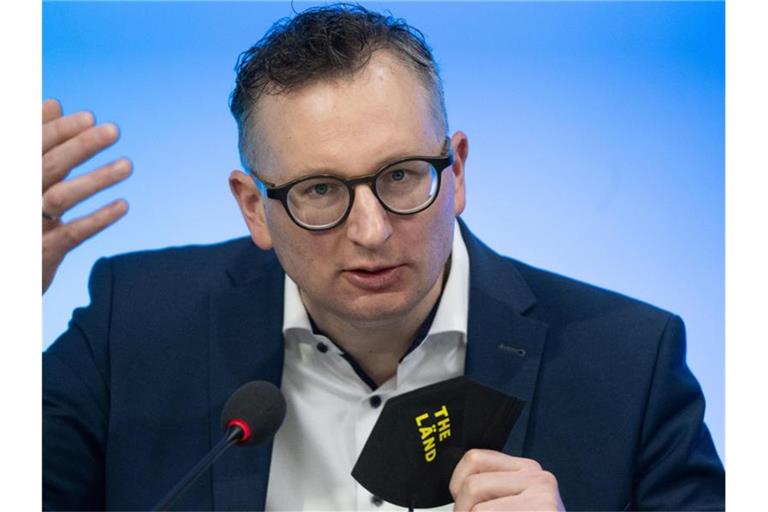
76,404
678,467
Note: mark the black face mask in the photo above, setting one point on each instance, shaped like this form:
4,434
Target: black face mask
420,436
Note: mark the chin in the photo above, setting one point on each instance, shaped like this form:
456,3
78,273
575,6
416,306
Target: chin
376,310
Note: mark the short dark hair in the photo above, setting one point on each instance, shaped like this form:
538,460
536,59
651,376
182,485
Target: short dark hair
326,43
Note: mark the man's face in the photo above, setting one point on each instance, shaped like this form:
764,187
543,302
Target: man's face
377,267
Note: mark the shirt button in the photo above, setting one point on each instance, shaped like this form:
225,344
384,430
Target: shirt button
322,347
376,501
375,401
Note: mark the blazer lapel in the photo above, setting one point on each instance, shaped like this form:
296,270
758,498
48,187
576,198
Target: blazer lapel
245,344
504,347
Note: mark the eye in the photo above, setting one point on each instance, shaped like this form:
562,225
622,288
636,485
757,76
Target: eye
316,188
320,189
400,175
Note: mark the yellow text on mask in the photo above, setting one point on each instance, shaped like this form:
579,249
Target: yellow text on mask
433,428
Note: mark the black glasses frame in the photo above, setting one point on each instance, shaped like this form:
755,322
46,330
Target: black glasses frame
280,192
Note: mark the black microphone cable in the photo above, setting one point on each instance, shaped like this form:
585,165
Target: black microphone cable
252,414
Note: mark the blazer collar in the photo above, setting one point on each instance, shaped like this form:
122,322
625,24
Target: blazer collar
504,346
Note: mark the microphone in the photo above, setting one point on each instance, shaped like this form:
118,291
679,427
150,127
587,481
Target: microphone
421,435
252,414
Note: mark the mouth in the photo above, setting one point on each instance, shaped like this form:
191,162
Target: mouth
374,278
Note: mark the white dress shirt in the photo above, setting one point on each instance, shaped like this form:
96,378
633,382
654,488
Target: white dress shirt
331,410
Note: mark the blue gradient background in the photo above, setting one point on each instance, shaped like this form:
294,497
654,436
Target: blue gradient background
596,138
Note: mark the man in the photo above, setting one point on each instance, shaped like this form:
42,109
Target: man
357,284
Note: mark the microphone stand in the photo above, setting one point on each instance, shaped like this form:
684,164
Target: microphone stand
231,437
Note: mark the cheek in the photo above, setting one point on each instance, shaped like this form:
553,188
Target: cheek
301,264
286,243
435,235
447,191
300,252
442,225
446,219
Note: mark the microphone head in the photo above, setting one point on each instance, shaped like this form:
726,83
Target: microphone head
258,408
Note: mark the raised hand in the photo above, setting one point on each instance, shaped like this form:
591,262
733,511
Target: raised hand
67,142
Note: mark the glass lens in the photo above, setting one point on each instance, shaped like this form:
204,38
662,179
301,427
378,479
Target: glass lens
318,202
407,186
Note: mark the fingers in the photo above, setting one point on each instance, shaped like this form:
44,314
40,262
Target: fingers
61,129
60,240
62,196
485,461
508,490
67,142
482,487
491,480
51,110
521,503
73,233
59,160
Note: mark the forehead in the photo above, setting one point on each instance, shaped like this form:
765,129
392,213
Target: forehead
347,126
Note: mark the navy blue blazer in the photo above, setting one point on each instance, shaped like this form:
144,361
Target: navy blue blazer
133,390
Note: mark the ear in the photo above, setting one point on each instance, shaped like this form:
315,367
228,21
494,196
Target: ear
460,144
251,202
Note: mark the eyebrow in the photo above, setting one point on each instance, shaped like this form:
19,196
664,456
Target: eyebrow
335,172
375,168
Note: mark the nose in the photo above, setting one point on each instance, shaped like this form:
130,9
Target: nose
368,222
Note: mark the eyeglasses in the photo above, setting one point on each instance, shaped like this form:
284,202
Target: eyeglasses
404,187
